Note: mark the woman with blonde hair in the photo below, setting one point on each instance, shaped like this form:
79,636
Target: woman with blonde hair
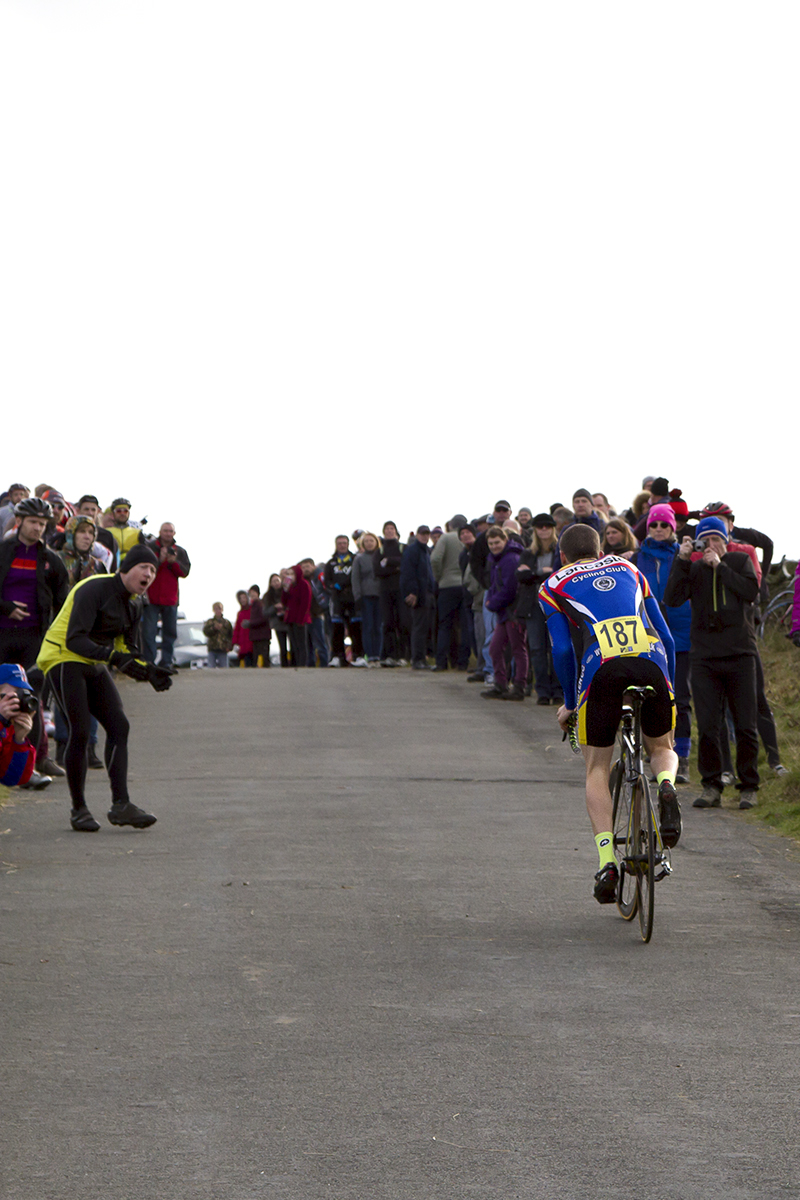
367,593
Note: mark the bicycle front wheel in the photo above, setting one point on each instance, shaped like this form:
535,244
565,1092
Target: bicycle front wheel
627,896
645,844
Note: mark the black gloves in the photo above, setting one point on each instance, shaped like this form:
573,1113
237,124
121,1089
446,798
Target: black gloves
159,678
129,665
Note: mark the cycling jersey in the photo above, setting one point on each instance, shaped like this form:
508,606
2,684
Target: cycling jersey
98,617
598,610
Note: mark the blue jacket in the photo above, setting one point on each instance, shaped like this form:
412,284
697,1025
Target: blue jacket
503,587
655,560
415,572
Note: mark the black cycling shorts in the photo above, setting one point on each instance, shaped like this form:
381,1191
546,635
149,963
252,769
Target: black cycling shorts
602,711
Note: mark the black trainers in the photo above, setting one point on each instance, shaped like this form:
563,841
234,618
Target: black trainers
669,814
46,766
494,693
82,820
475,677
606,883
129,814
515,693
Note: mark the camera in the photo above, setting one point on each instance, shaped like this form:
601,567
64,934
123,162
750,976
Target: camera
700,544
28,703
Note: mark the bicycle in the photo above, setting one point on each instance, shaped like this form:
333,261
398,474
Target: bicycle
641,855
778,613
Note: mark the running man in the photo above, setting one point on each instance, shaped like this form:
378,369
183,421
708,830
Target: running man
98,627
608,634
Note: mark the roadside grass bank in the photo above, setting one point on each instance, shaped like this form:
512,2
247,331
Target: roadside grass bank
779,798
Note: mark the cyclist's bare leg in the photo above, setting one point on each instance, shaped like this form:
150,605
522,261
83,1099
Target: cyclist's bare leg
662,756
599,804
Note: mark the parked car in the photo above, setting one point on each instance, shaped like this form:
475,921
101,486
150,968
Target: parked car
190,645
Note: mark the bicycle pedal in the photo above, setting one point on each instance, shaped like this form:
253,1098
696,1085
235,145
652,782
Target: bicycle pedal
664,867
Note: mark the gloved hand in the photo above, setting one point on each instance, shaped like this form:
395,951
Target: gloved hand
159,678
129,665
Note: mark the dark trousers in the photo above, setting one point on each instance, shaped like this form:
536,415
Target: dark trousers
83,691
392,621
715,680
683,700
420,617
21,646
261,649
297,640
371,626
346,619
449,604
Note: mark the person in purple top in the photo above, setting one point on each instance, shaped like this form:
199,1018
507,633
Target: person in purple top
504,556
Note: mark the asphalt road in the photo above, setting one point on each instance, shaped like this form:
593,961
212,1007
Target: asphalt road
358,957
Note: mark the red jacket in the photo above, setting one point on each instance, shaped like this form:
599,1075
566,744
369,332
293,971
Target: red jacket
241,636
297,600
741,548
16,761
164,588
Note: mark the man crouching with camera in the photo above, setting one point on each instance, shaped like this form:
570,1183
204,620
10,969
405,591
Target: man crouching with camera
17,706
97,628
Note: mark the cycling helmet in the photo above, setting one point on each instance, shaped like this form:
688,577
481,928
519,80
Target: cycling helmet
33,507
717,508
120,502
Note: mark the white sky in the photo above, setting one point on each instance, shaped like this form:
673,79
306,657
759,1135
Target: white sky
277,270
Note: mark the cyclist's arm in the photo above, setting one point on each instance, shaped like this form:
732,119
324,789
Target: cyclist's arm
81,622
564,658
653,609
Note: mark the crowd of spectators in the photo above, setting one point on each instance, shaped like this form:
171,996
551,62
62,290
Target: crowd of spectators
47,546
464,597
458,597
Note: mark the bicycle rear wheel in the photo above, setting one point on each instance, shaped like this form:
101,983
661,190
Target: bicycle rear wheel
627,897
645,849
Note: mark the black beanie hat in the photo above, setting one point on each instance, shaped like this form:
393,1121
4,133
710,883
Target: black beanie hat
137,554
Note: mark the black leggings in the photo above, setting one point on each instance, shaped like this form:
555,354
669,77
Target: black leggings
84,690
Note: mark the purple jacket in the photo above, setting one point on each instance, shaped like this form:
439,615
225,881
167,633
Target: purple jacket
503,587
796,606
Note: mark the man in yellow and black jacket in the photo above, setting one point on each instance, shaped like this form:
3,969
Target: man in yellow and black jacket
98,628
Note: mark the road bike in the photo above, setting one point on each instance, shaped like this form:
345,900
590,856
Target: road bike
641,855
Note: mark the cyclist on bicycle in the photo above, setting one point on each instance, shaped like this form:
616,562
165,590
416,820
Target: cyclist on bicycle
608,634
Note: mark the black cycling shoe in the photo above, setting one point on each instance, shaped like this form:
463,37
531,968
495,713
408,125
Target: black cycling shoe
129,814
669,814
606,884
82,820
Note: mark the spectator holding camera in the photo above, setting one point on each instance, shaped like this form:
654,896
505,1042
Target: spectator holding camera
163,595
17,754
723,588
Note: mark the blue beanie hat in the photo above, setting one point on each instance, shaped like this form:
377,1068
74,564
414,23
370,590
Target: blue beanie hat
712,525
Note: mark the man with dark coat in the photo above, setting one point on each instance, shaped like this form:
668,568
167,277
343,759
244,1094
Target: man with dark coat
416,589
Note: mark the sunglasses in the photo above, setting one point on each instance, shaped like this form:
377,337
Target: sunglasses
659,525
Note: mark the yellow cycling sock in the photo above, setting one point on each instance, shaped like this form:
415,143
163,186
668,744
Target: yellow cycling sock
605,848
662,775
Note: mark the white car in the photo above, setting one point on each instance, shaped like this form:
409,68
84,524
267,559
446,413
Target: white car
190,644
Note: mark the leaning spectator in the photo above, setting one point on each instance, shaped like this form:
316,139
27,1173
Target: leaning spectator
163,595
89,506
218,633
525,522
366,590
563,517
